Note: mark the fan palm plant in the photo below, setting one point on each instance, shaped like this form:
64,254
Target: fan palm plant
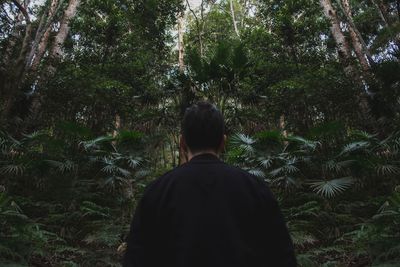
293,161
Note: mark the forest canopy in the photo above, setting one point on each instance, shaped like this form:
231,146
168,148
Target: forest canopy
92,94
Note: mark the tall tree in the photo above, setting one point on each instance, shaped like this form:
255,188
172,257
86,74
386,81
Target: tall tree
345,55
33,46
16,66
181,45
343,45
42,36
359,45
61,36
232,7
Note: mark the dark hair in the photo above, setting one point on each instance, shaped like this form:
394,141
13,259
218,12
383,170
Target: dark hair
203,127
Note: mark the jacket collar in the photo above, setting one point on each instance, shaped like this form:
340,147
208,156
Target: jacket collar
206,157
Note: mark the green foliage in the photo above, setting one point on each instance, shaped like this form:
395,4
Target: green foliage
22,238
321,186
71,188
104,117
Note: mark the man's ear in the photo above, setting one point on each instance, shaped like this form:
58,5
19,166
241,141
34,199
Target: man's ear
183,151
223,144
182,143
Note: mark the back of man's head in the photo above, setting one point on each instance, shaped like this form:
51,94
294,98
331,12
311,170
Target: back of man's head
203,127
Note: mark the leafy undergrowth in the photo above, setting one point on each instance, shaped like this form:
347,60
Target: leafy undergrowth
65,201
83,234
339,191
69,201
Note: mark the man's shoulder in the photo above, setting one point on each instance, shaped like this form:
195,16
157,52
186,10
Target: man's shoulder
186,170
186,176
222,167
165,178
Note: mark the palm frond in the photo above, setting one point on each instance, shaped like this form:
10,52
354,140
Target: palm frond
14,169
63,166
290,169
244,142
35,135
354,147
265,162
387,169
95,143
134,162
304,143
363,135
331,188
257,172
302,239
276,172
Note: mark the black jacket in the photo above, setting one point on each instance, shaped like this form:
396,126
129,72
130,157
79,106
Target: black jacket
206,213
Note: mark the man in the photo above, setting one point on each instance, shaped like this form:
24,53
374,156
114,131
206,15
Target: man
206,213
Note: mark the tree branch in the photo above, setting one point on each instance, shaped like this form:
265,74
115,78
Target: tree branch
23,10
199,31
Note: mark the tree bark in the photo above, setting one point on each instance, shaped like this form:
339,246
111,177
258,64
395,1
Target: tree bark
181,45
340,39
282,125
13,39
344,50
233,18
359,45
56,51
42,36
13,80
117,125
41,50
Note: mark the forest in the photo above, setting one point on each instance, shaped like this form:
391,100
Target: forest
92,94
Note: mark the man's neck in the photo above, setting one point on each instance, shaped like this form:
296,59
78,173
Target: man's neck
192,155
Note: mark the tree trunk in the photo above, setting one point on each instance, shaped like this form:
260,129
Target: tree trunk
233,18
345,56
41,50
117,125
359,45
383,11
181,45
12,40
341,42
11,85
56,51
282,125
42,36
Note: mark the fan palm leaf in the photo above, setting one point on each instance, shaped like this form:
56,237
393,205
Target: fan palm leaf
354,147
257,172
387,169
331,188
244,142
14,169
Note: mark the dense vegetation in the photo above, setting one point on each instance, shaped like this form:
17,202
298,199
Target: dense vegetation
92,92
